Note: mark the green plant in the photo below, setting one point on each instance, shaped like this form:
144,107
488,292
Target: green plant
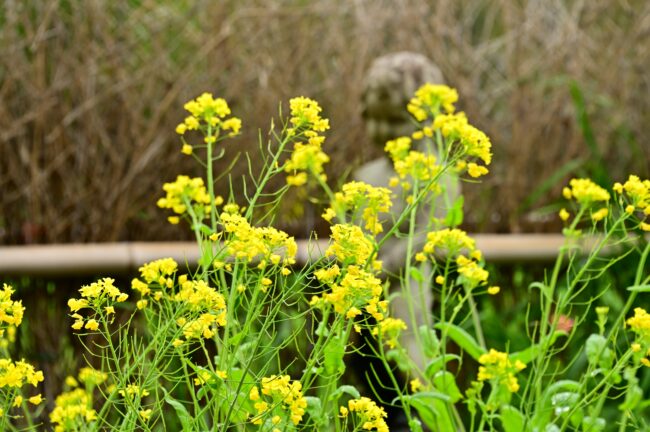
210,342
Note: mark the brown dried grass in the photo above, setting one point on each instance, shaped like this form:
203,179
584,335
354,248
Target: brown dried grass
90,92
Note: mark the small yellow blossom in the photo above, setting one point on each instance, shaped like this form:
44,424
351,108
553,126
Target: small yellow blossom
493,290
564,214
145,414
36,400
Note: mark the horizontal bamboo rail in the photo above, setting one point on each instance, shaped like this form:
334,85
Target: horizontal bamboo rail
115,258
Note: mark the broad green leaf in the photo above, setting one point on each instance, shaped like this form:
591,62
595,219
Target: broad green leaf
314,407
445,382
511,419
205,230
593,424
455,214
416,275
439,363
430,341
181,411
544,408
633,396
334,352
598,353
347,389
462,338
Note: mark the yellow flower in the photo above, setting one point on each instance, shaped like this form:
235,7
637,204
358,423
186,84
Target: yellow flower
350,244
18,401
389,329
476,170
564,214
600,214
493,290
370,415
497,367
440,280
109,310
416,385
431,99
92,325
186,149
145,414
282,392
36,400
585,192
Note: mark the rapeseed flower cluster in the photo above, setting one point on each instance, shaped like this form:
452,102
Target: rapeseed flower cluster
448,241
158,275
278,393
11,312
350,245
466,140
410,163
636,194
587,194
497,367
640,324
362,200
206,112
353,290
266,244
73,411
99,296
199,298
432,99
186,192
307,157
305,116
389,331
371,416
17,374
471,274
92,377
133,391
206,376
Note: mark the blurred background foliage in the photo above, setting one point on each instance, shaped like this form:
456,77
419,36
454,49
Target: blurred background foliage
90,93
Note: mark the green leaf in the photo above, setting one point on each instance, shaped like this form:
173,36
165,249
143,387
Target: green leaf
439,363
314,407
416,275
426,411
544,409
446,383
430,341
511,419
462,338
639,288
334,352
593,424
347,389
181,411
598,353
455,214
205,230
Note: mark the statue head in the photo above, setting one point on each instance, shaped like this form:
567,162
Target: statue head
389,85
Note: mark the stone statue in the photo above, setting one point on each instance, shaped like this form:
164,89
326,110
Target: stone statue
391,82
